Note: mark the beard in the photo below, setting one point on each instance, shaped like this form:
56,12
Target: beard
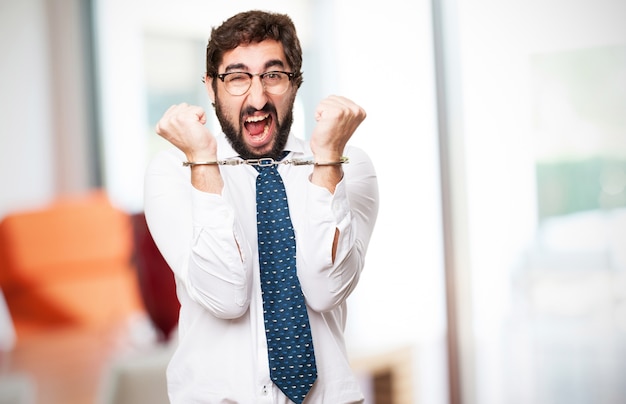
235,137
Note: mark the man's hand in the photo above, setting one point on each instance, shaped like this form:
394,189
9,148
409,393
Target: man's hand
337,119
183,125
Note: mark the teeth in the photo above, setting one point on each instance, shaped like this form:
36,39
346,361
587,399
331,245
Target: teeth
257,118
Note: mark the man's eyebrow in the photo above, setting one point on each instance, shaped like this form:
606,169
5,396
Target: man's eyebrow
243,67
274,63
236,67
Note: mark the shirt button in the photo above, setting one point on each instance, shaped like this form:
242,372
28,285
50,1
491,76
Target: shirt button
264,391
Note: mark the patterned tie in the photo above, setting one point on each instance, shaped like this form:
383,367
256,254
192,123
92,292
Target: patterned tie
287,329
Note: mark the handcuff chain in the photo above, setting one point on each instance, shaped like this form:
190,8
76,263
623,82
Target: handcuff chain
265,162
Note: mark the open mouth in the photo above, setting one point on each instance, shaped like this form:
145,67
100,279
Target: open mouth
258,127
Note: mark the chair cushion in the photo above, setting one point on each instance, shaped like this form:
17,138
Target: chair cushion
69,263
74,237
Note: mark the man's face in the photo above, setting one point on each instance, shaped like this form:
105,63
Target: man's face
256,123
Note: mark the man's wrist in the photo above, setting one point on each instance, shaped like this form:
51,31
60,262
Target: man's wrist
335,162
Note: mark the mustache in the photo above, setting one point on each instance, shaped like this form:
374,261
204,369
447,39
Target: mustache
267,108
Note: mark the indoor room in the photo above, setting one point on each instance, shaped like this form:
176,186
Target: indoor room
498,134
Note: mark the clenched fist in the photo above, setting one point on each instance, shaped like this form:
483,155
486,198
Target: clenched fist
337,119
183,125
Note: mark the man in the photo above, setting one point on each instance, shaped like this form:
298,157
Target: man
205,211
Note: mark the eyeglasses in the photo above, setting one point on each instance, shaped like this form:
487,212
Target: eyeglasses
238,83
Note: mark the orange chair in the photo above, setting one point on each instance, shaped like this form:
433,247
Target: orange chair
68,264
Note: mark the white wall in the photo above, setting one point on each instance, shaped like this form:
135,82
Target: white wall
46,131
497,41
384,60
26,147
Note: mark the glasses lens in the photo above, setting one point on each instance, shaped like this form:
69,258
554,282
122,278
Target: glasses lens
275,82
237,83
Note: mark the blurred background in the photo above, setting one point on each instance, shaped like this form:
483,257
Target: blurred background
497,270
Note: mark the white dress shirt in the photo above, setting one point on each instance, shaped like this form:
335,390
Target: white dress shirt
210,242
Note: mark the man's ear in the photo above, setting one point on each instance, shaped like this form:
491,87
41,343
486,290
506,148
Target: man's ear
208,83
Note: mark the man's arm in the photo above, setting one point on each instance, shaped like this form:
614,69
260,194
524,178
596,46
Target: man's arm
193,225
345,218
337,119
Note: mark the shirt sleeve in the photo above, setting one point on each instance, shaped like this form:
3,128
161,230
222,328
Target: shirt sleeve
197,235
352,211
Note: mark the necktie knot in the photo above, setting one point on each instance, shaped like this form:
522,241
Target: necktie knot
263,168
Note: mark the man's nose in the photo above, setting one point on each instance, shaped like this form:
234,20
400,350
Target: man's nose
257,97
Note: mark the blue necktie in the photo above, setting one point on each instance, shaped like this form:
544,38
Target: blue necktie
287,329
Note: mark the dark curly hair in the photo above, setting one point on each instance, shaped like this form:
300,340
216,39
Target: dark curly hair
252,27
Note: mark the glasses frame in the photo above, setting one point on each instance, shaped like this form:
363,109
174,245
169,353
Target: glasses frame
222,76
